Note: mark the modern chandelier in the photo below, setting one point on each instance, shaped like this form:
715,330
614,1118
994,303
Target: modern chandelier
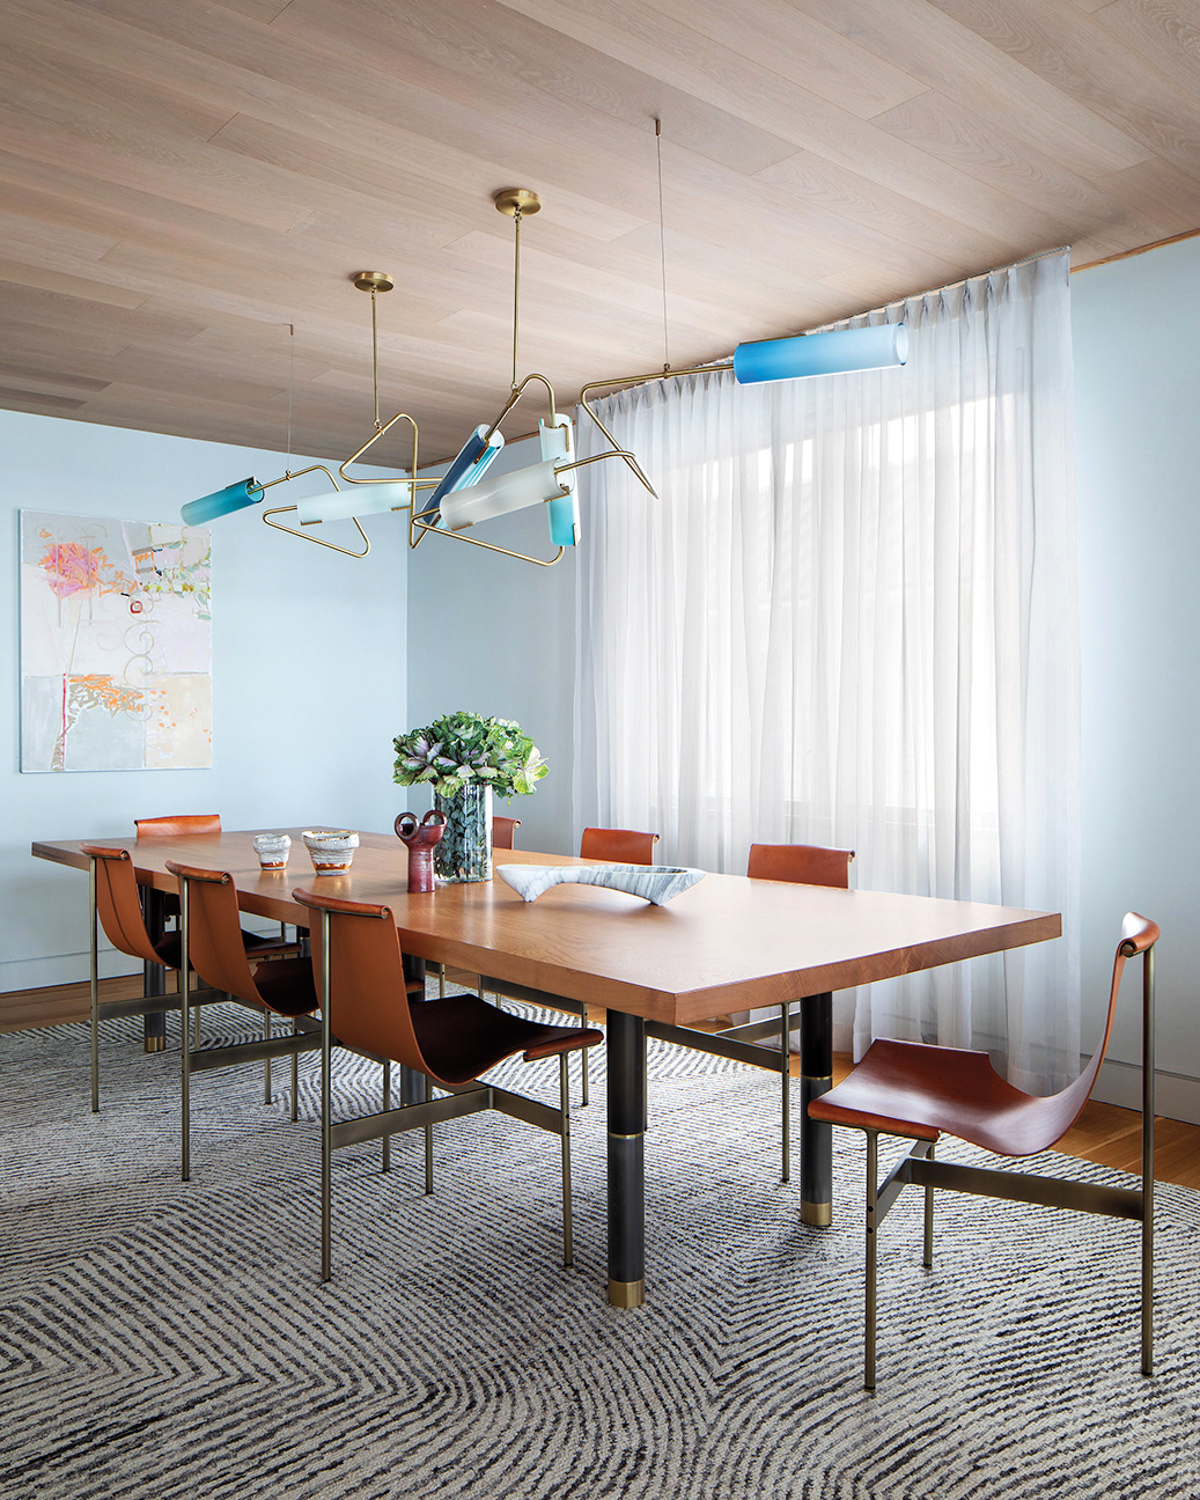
453,504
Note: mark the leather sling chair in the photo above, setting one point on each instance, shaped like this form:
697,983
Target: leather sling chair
113,899
188,825
803,864
503,830
359,972
214,945
177,825
918,1091
622,846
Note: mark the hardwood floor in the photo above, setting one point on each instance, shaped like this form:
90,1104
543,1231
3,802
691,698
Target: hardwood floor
1104,1133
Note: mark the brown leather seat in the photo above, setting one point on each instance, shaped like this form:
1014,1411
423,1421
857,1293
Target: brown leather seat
179,825
215,946
623,846
918,1091
503,830
802,864
452,1041
176,825
119,910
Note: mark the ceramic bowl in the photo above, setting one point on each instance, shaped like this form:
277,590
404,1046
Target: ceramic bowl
272,850
330,849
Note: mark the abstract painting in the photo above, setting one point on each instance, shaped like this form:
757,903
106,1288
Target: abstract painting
116,645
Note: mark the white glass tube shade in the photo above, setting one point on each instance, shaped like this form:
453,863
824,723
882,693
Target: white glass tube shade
502,494
834,353
357,500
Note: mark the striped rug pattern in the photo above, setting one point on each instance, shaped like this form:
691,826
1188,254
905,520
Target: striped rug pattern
167,1340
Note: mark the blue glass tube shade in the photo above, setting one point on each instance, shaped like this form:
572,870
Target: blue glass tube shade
358,500
467,468
221,503
562,512
834,353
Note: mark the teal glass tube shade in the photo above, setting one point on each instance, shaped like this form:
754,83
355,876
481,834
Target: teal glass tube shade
834,353
221,503
358,500
562,512
467,468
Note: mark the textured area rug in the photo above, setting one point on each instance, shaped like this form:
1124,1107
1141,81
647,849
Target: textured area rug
167,1340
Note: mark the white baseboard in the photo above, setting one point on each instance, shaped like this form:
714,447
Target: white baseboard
1175,1094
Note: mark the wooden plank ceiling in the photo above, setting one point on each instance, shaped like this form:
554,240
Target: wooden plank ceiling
180,180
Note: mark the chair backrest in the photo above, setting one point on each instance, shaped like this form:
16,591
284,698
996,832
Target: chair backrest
1138,935
174,827
117,903
803,864
368,1004
503,830
215,947
623,846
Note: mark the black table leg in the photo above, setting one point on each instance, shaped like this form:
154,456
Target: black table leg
816,1139
626,1174
154,1023
412,1083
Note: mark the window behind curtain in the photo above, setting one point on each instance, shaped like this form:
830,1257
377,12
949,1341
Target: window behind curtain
851,618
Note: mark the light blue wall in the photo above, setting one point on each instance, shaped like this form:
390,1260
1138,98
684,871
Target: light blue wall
497,636
1136,328
308,676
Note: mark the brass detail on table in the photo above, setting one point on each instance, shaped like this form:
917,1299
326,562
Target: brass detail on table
816,1215
627,1293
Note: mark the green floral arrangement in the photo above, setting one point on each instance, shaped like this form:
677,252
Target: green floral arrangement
463,749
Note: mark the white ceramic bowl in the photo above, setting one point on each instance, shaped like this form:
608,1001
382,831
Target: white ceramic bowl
272,850
330,849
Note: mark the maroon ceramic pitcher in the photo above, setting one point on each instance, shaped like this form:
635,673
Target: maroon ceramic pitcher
420,837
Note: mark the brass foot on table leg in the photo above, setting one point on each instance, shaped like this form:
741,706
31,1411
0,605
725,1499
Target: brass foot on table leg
627,1293
156,1044
819,1215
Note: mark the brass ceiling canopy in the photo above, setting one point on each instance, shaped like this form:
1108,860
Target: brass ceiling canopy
517,200
373,281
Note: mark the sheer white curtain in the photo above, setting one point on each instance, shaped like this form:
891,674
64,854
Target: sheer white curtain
851,619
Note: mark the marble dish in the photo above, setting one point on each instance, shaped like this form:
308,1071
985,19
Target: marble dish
330,849
657,884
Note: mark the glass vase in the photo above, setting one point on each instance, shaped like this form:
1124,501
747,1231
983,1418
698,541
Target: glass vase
465,850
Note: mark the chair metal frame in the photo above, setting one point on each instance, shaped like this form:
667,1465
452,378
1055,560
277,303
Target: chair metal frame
302,1038
145,1005
457,1100
920,1168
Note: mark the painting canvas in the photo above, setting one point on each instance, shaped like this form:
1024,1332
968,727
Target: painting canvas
116,645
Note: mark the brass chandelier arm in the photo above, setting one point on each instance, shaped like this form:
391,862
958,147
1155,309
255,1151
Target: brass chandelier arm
280,510
517,392
304,537
292,474
401,416
474,541
633,380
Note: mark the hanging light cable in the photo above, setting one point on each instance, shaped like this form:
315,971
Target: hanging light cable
840,351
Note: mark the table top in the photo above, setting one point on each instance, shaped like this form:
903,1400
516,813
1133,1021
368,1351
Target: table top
729,943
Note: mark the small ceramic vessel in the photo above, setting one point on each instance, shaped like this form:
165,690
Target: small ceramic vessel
272,850
330,849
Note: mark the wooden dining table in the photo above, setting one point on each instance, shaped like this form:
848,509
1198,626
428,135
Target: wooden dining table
727,944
